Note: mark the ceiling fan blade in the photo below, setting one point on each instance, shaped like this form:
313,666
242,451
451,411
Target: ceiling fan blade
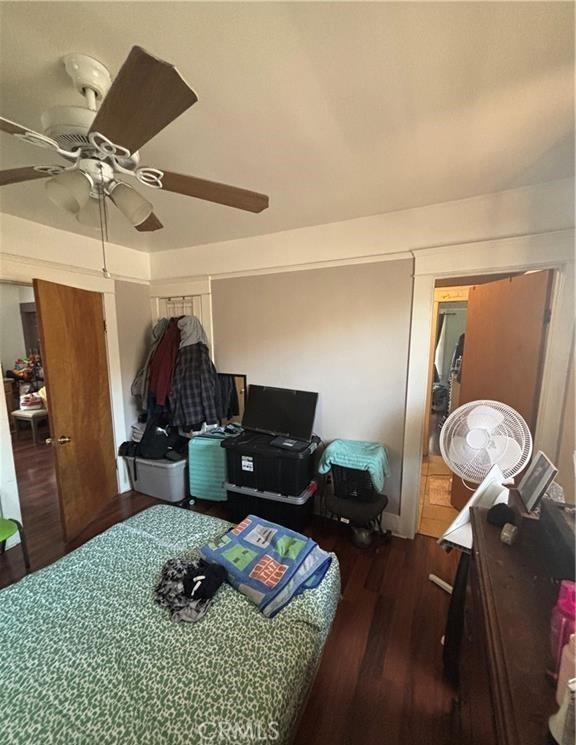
151,223
212,191
28,135
146,95
15,175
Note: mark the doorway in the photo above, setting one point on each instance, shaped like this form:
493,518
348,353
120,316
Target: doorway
487,342
444,375
25,394
56,385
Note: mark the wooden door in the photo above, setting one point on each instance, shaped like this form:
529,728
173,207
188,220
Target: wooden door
76,372
504,348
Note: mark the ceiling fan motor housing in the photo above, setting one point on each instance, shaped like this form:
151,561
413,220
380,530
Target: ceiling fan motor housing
68,125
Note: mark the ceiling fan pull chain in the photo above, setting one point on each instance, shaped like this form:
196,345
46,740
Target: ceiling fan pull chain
103,222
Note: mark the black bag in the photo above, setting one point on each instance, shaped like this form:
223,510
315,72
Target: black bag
155,442
129,449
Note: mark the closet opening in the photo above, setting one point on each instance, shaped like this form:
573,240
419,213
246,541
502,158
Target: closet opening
488,339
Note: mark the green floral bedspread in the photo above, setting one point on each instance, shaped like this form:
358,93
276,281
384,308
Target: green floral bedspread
86,656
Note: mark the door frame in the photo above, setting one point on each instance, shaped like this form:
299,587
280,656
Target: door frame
519,254
23,272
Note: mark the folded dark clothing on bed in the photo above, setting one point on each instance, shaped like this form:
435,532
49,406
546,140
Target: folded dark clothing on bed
202,579
187,588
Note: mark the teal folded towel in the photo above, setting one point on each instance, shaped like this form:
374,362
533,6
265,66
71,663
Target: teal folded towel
364,456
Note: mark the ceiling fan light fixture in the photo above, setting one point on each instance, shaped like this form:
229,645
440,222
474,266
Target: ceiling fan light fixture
89,215
131,204
69,190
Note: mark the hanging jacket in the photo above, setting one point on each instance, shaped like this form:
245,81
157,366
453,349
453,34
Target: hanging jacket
228,405
195,388
191,331
139,387
163,362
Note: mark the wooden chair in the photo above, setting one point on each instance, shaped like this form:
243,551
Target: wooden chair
32,416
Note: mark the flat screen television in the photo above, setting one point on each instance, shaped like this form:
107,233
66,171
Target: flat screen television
280,411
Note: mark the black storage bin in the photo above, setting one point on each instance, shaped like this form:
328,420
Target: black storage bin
293,512
252,462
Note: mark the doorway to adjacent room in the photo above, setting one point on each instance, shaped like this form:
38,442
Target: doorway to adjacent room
56,387
25,395
487,342
444,375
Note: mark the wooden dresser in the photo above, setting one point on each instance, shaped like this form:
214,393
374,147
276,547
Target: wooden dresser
505,696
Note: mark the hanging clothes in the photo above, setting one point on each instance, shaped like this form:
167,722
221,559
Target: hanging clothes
191,331
195,388
229,405
139,387
162,364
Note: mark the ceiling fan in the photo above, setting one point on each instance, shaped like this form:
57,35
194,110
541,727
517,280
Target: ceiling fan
102,142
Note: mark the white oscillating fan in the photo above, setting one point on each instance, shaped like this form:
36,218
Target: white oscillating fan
481,434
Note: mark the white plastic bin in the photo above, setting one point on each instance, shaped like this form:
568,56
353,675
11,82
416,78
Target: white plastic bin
163,479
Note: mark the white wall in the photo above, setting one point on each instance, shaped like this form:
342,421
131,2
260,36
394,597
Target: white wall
134,315
26,294
12,345
32,242
566,461
530,210
340,331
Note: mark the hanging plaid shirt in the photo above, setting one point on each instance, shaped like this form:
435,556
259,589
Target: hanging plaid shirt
195,392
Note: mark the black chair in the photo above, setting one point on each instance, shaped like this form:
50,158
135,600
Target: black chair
355,499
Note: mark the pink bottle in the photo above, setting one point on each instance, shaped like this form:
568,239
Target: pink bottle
562,623
567,669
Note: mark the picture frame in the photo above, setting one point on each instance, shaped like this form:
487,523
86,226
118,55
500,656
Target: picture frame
540,474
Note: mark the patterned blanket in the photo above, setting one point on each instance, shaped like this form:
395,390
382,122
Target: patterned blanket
86,655
268,563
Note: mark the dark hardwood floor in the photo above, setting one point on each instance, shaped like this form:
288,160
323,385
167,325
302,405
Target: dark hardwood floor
41,511
380,677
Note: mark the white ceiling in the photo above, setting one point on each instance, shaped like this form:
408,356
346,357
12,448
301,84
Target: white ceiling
336,110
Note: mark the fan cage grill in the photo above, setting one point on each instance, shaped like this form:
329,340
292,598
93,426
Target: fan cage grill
477,467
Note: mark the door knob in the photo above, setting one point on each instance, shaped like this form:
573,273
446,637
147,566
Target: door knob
62,440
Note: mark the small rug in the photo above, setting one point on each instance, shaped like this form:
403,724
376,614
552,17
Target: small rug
439,490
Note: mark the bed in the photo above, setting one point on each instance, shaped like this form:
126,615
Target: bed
86,656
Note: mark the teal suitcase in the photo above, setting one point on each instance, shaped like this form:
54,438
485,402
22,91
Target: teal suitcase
207,467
